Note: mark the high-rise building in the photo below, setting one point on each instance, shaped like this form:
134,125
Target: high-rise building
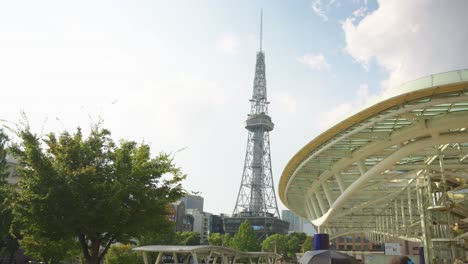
216,224
295,221
177,214
256,200
193,202
201,223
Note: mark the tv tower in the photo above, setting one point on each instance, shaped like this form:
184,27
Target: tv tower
256,200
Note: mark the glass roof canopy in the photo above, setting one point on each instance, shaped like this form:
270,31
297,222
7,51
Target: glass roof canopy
385,168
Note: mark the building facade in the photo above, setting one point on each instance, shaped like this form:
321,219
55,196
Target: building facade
201,223
193,202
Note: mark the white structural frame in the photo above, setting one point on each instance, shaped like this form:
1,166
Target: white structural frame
204,254
365,173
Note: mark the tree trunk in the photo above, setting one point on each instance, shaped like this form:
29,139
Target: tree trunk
95,245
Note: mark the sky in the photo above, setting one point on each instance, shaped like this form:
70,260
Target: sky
178,75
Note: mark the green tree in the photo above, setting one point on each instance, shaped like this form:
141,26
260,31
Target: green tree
216,239
49,251
8,235
308,244
92,188
123,254
8,241
187,238
3,153
244,239
164,236
293,247
295,242
276,243
227,240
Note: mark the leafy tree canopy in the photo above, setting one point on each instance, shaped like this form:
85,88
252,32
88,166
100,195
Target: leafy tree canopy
276,243
285,245
187,238
308,244
216,239
227,240
244,239
8,242
49,251
123,254
92,188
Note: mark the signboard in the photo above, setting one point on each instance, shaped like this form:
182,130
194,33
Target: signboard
392,249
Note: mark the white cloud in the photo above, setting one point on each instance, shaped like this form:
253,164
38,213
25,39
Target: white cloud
362,99
285,101
319,9
315,61
410,39
360,12
228,43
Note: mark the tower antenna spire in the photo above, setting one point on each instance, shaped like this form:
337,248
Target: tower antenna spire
261,28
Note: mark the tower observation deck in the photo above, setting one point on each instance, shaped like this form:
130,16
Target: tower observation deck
256,200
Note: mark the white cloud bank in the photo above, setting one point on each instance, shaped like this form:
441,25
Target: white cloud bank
228,43
410,39
315,61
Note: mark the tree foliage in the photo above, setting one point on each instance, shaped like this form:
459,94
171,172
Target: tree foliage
3,152
215,239
8,241
244,239
92,188
227,240
276,243
285,245
187,238
308,244
49,251
123,254
295,241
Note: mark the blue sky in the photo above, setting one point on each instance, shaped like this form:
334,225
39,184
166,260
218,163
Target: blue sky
179,74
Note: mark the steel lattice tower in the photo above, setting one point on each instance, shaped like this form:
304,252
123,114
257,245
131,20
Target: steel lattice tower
256,195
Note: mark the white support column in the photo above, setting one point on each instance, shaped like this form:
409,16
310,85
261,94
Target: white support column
327,193
145,257
427,175
361,166
339,180
422,216
403,217
397,224
377,229
176,260
215,259
410,207
315,206
381,237
310,210
323,209
158,259
392,227
387,228
210,255
443,178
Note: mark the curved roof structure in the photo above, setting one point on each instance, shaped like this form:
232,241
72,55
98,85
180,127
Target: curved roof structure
205,254
363,173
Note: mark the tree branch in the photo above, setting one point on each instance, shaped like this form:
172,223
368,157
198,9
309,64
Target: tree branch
109,243
84,247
